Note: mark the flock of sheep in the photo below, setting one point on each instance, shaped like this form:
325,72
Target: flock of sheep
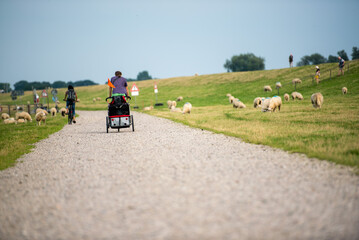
24,117
273,103
172,105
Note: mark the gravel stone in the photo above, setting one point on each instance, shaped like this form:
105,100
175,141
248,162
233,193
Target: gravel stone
170,181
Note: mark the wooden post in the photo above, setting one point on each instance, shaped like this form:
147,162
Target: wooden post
28,108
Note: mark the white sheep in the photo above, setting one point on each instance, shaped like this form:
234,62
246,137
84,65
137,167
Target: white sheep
278,85
23,115
238,104
228,95
274,103
41,110
344,90
53,112
286,96
265,104
317,100
148,108
5,116
98,99
297,95
257,102
9,121
94,100
169,104
20,120
231,98
296,80
78,100
180,98
174,109
174,103
40,117
63,111
267,88
187,107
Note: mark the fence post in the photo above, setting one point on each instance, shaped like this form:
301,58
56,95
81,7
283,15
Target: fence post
28,108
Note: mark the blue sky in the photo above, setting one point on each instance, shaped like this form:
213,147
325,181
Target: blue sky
69,40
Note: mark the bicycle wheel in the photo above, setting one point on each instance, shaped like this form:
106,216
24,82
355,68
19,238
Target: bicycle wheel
70,116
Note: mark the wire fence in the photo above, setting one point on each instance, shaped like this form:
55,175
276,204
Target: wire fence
30,108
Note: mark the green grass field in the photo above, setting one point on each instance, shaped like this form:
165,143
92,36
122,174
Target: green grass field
329,133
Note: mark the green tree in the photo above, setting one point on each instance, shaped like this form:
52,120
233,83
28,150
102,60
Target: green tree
143,76
59,84
355,53
22,85
6,87
313,59
343,55
244,62
332,59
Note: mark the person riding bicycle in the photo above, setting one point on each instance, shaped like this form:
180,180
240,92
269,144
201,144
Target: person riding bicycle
120,84
71,98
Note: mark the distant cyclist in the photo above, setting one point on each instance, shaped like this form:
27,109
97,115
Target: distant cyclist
120,84
71,98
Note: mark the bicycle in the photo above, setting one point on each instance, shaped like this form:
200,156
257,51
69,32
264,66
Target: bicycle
70,114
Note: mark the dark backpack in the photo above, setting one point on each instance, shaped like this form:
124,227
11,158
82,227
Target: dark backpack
71,95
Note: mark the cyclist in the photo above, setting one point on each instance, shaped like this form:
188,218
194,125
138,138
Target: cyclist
71,98
120,84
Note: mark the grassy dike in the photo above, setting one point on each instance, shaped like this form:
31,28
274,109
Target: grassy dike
330,133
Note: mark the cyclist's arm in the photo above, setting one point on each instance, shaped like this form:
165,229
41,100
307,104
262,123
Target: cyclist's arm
128,93
65,96
76,97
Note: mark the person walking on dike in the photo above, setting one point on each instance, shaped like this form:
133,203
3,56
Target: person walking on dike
290,60
71,98
120,84
341,66
317,74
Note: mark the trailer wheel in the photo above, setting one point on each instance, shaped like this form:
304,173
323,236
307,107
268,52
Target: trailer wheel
107,124
132,123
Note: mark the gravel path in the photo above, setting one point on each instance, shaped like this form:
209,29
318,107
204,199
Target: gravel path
169,181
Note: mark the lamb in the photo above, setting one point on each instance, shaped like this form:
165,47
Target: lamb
275,102
180,98
94,100
78,100
238,104
278,85
228,95
344,90
257,102
187,107
5,116
231,98
41,110
174,109
23,115
63,112
296,80
286,97
267,88
174,103
297,95
317,100
169,104
148,108
98,99
265,104
9,121
53,112
40,117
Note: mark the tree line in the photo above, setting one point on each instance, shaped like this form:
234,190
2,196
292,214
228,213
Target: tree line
317,58
26,86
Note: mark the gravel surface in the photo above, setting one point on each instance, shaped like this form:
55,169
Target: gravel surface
169,181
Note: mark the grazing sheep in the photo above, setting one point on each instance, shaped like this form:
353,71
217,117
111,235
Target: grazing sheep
174,103
28,102
344,90
148,108
41,110
267,88
169,104
278,85
23,115
231,98
228,95
238,104
98,99
174,109
297,95
40,117
53,112
265,104
78,100
317,100
274,103
20,120
286,97
57,102
63,112
257,102
94,100
9,121
180,98
5,116
187,107
296,80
